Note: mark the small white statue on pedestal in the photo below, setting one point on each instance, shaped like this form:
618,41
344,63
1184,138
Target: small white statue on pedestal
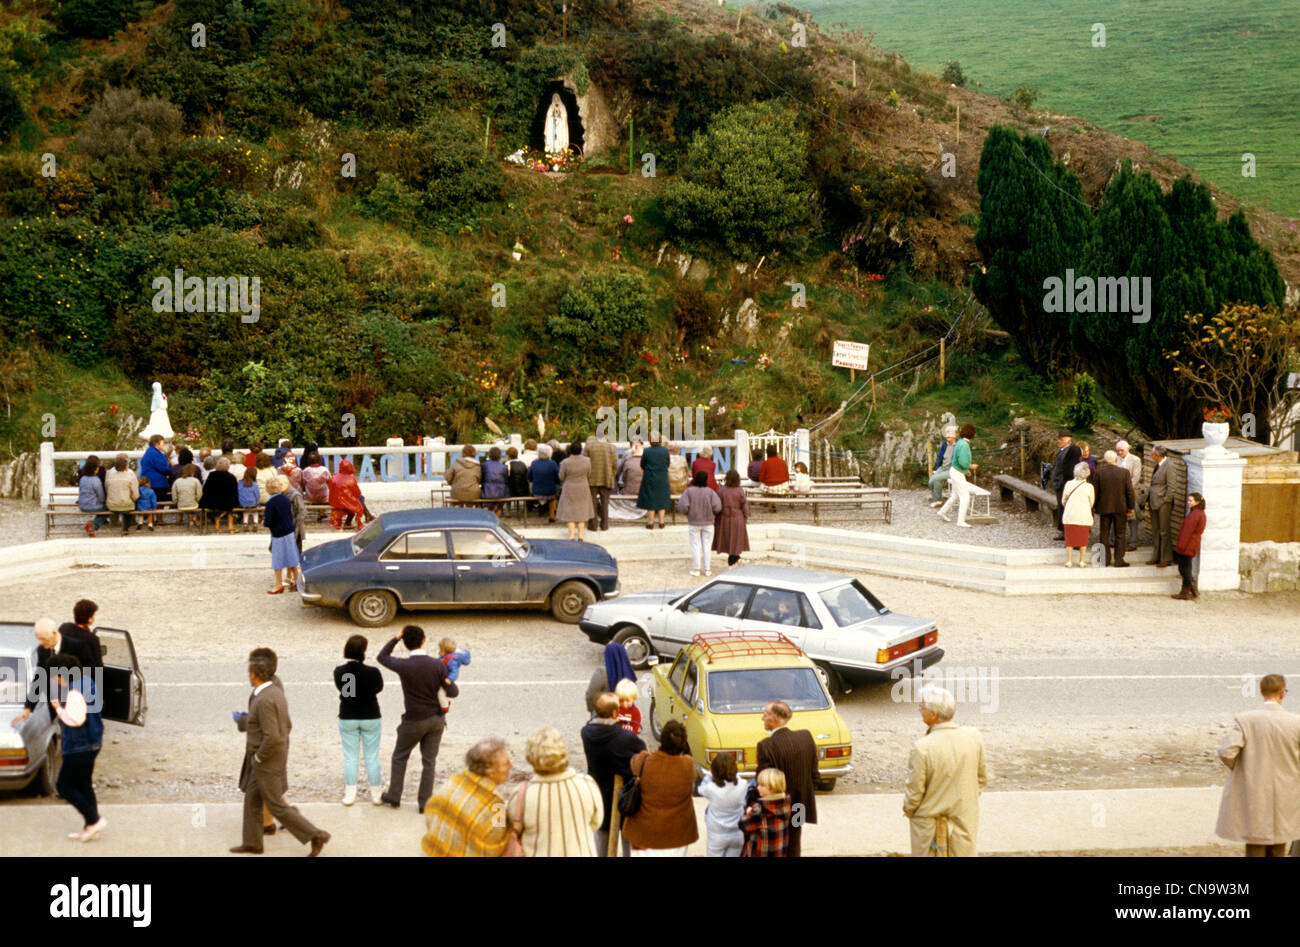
159,422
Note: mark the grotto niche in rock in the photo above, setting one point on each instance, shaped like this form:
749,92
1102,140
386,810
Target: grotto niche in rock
557,124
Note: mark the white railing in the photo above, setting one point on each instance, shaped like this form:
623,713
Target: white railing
429,461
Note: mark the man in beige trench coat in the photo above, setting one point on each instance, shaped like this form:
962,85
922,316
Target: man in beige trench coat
1261,800
947,774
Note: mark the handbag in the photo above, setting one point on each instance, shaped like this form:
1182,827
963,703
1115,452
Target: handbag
629,797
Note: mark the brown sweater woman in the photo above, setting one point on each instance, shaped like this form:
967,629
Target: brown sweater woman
666,818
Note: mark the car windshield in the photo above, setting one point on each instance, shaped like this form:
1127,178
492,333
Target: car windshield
748,692
367,536
851,603
517,542
13,680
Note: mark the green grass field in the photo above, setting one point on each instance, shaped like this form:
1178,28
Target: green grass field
1220,76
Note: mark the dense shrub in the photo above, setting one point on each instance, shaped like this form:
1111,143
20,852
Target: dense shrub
131,142
606,315
952,73
391,201
97,19
12,113
745,180
1085,409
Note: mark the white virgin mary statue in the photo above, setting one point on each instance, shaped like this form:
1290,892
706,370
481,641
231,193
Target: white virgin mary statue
556,133
159,422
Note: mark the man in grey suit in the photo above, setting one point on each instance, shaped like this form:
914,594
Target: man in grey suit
1160,508
262,777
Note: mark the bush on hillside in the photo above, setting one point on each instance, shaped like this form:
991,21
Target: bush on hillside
1085,409
12,113
745,182
131,142
606,315
96,19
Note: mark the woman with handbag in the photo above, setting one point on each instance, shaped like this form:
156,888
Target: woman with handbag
663,822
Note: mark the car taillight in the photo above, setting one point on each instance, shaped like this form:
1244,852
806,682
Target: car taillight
885,655
843,751
13,757
738,754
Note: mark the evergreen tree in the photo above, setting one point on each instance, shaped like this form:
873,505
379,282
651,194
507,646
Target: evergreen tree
1033,225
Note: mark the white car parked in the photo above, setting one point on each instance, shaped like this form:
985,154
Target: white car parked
834,619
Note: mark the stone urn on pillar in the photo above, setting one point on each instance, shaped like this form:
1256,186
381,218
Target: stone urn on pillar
1215,430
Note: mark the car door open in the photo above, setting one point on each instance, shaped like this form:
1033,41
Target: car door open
124,697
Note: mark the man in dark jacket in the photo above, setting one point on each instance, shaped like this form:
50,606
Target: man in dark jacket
423,722
1115,502
49,642
609,749
793,752
1067,456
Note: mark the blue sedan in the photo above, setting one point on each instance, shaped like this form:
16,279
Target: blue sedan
453,558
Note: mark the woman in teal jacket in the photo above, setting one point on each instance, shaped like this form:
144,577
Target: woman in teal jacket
961,466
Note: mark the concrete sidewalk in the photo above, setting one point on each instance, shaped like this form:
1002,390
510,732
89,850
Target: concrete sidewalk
862,824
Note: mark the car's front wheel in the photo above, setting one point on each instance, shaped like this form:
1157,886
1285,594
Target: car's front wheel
637,643
570,600
48,775
372,608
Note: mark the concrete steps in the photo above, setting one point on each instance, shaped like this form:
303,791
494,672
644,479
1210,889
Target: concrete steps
986,569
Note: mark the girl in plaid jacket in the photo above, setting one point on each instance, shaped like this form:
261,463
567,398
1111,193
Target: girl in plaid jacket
766,824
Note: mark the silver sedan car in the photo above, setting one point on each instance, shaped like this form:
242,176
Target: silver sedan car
31,752
834,619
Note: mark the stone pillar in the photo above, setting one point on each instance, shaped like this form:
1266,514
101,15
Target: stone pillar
742,452
1217,477
46,472
438,460
802,447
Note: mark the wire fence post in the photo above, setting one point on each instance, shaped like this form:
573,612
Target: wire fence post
942,375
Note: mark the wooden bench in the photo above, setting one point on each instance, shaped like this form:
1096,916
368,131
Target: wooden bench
879,497
62,507
321,509
441,496
1034,496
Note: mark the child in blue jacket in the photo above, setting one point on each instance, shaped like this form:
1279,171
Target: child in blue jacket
148,501
452,661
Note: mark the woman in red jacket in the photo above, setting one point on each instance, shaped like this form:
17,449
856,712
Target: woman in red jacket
1189,544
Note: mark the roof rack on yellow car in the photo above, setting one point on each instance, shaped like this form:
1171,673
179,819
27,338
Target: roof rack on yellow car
735,644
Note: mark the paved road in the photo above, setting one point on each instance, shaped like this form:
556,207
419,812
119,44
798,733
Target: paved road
1071,693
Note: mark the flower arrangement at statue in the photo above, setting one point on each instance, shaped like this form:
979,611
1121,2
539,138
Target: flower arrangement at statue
567,160
1221,414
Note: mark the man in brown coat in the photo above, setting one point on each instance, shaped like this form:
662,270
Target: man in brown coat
793,752
604,463
1261,800
262,777
1115,502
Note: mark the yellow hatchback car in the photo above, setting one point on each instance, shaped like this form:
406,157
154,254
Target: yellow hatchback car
719,685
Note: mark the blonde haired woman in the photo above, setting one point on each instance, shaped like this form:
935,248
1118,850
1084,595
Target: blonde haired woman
558,811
